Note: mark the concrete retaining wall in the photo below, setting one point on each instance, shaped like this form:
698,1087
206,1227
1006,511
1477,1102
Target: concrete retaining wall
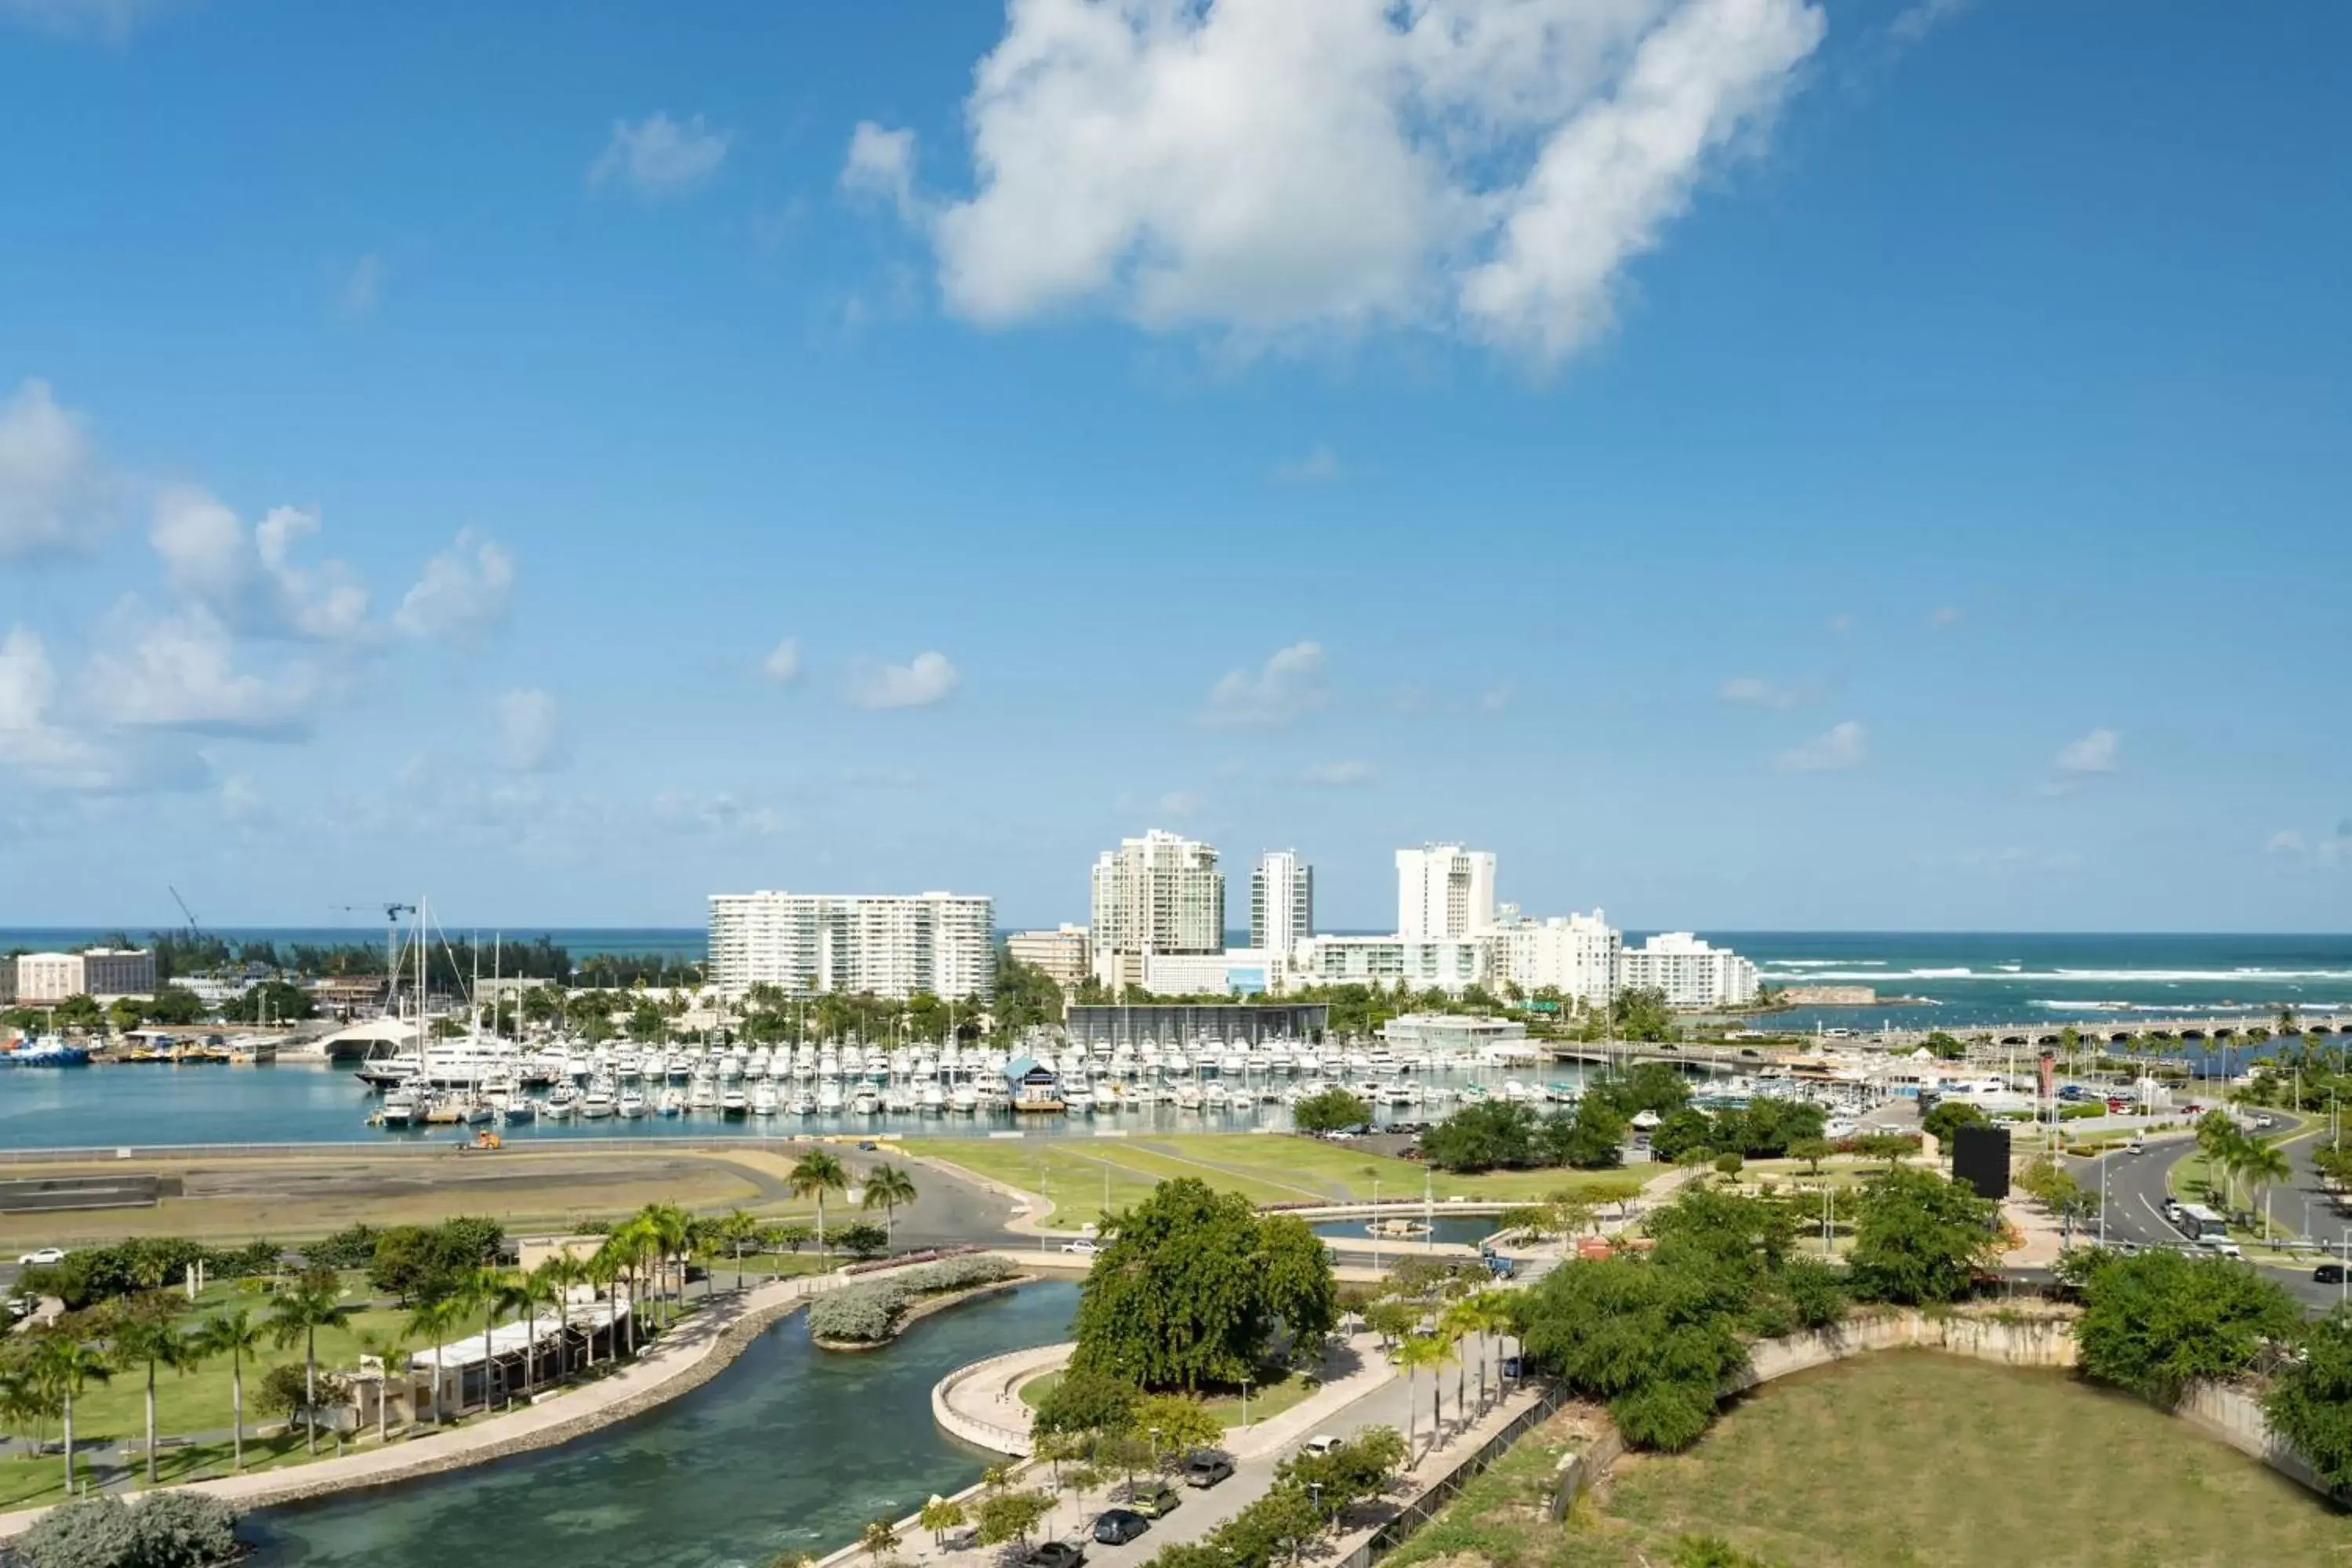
2033,1341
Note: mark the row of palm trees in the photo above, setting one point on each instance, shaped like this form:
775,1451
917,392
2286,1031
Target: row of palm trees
2237,1155
640,1262
1430,1335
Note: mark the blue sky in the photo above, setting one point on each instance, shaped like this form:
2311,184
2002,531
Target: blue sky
1750,463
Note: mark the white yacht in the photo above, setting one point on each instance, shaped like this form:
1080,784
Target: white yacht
631,1104
598,1102
733,1102
828,1098
764,1100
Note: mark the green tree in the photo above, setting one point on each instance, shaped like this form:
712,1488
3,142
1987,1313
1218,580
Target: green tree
1653,1087
1945,1046
1589,1137
862,1239
433,1322
889,1188
1174,1422
2156,1322
145,1333
1949,1117
1087,1401
1192,1287
314,1301
1919,1238
1010,1516
815,1174
65,1363
739,1232
879,1538
1483,1136
1332,1110
1813,1152
2310,1400
939,1516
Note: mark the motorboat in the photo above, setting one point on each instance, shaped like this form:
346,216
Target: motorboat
631,1104
763,1098
733,1102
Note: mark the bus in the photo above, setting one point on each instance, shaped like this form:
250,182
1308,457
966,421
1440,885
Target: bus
2198,1223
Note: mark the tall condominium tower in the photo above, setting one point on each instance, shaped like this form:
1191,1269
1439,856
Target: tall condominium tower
1158,894
1444,890
1282,903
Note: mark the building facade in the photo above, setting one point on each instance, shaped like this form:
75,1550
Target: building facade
1282,902
1451,965
1691,973
1064,955
44,977
1161,893
944,944
1575,956
1181,1023
1444,890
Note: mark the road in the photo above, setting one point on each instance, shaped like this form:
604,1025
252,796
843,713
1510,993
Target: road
1202,1511
2135,1189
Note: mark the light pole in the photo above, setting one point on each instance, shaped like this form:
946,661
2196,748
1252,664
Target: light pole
1245,1383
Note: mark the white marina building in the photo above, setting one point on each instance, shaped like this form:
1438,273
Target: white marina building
890,945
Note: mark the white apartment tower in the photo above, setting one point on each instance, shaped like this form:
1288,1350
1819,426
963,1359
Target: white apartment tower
892,946
1282,904
1444,890
1158,894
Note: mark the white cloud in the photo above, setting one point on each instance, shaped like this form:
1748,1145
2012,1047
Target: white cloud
2326,850
1289,683
1917,21
657,156
363,288
30,741
1496,699
1179,804
1945,616
180,673
2094,753
1338,776
464,592
926,680
1319,466
881,164
249,579
53,488
1754,691
782,664
1278,166
531,731
1836,749
110,19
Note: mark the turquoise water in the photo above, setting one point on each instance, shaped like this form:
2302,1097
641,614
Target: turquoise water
790,1448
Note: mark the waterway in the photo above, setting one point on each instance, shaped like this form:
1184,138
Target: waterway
792,1448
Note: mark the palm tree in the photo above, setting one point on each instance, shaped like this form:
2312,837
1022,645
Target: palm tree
536,1288
1462,1323
146,1332
735,1231
1415,1351
615,1263
484,1289
670,1229
602,1269
387,1347
889,1188
433,1321
67,1363
236,1335
312,1302
2265,1165
815,1173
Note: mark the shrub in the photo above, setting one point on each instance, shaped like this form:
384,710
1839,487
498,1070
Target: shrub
166,1530
2156,1321
867,1314
1330,1111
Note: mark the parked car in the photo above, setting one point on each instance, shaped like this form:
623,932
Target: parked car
1151,1497
1117,1526
2328,1274
2265,1120
1054,1554
1206,1467
43,1258
1082,1247
1320,1444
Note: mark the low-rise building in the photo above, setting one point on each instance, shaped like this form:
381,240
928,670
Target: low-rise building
1690,973
1235,971
1064,955
1454,1035
1181,1022
45,977
1575,956
1447,964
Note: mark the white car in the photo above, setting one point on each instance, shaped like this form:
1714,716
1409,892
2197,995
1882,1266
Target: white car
1082,1247
43,1258
1320,1444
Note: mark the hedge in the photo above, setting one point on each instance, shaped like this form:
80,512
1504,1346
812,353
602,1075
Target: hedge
867,1314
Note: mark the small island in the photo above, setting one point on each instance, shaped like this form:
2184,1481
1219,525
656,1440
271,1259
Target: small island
867,1317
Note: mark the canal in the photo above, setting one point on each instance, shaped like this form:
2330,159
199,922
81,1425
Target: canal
789,1450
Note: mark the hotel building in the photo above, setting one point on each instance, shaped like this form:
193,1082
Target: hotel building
890,945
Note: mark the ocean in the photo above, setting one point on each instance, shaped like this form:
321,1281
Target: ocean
1951,979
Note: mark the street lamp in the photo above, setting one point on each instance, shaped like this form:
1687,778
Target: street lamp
1155,1448
1245,1383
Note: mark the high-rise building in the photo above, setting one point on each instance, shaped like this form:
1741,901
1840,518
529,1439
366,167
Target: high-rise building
892,946
1575,956
1444,890
1161,893
1282,903
1064,955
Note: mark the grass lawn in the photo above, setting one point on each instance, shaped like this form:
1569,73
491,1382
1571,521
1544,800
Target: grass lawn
1081,1175
1909,1459
1266,1402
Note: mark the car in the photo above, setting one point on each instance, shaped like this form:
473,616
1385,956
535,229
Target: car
1084,1247
2224,1248
1054,1554
2172,1210
1206,1466
1320,1444
1117,1526
2135,1147
867,1145
2328,1274
2261,1121
1151,1497
43,1258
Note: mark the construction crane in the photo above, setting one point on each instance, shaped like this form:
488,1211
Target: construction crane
193,930
392,913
